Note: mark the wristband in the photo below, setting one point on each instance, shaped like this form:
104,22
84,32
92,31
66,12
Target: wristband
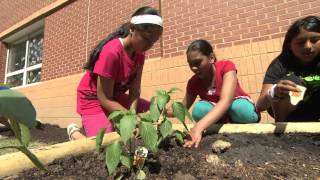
271,95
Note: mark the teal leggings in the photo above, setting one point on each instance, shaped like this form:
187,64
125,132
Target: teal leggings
240,111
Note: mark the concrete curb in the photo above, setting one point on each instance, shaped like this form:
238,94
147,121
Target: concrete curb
14,163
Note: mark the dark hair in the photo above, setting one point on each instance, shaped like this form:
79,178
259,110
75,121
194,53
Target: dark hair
202,46
122,32
309,23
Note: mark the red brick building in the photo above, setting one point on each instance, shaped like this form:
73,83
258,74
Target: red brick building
45,43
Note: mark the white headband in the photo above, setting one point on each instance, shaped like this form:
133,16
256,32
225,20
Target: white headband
147,19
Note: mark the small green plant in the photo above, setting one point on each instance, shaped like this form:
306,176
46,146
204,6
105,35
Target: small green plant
20,112
312,83
153,127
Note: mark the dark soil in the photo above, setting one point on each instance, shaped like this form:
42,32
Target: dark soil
289,156
47,133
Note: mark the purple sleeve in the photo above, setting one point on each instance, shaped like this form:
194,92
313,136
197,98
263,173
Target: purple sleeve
107,65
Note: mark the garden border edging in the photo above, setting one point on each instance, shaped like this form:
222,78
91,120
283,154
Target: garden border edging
14,163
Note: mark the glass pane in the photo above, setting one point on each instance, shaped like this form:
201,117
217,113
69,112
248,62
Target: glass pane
17,57
15,80
33,76
35,50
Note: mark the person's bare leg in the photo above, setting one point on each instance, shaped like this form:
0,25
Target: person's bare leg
77,135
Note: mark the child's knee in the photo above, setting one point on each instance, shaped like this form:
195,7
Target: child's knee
243,111
200,109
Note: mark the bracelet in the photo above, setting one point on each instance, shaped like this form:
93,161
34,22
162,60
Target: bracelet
271,96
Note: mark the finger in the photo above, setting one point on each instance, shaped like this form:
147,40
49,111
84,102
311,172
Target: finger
288,82
188,144
289,85
197,144
284,89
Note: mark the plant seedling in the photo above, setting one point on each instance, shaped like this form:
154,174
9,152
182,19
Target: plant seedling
153,127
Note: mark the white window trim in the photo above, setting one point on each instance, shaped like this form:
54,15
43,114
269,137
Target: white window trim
25,69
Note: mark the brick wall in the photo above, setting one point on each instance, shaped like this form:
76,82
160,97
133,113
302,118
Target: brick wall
55,100
65,41
72,32
107,15
12,12
229,22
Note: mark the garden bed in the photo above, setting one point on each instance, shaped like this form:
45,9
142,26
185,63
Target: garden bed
251,156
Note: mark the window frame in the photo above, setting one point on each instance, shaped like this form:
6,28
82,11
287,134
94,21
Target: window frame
25,69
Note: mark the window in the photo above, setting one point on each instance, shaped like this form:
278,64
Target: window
24,60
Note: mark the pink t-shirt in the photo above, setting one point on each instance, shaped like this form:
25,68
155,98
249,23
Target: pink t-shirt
113,63
195,87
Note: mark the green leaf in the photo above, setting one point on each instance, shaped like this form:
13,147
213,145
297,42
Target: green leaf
15,106
116,116
126,161
149,135
113,153
145,117
165,128
132,111
159,141
21,132
178,111
180,136
187,113
141,174
173,89
162,100
127,125
154,110
99,139
25,135
16,129
160,92
32,157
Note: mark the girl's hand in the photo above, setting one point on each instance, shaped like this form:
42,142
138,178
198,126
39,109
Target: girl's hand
195,136
283,88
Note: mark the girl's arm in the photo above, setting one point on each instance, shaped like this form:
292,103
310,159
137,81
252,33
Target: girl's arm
105,87
227,95
280,102
135,89
263,101
188,100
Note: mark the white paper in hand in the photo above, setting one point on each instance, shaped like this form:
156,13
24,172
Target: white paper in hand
295,97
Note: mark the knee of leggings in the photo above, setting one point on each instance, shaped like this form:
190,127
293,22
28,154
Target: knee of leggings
243,111
200,109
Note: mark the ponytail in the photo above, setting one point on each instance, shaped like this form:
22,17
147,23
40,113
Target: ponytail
122,32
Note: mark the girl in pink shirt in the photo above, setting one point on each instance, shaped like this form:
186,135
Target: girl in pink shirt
216,83
115,67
